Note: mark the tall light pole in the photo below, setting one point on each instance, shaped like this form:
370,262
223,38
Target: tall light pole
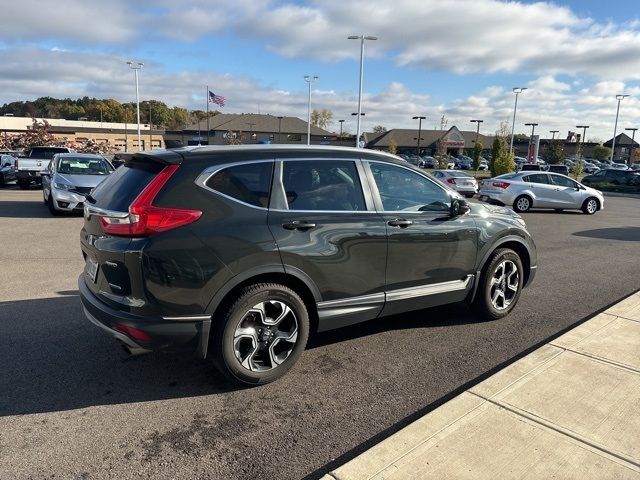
309,79
341,123
135,66
584,134
554,133
517,91
615,128
633,136
533,128
280,129
362,38
419,118
478,129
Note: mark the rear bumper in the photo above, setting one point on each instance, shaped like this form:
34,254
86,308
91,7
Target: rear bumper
184,334
28,175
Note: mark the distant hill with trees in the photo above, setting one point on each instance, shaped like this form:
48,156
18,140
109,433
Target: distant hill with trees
106,110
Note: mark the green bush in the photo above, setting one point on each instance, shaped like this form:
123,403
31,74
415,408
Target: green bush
501,159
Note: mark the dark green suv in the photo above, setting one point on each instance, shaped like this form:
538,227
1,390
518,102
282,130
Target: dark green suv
239,253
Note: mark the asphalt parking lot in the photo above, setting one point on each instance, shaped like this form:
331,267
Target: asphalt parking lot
73,406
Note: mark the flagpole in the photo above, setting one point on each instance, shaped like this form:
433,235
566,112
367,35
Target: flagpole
207,97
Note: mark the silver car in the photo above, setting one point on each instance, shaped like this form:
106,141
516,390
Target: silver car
526,190
460,181
69,178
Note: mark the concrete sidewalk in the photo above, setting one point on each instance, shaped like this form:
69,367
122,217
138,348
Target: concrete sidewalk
568,410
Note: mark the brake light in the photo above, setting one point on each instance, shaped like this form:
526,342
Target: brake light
135,333
452,181
146,219
503,185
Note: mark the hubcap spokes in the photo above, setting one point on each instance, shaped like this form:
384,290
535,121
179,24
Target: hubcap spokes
265,336
523,204
504,285
591,206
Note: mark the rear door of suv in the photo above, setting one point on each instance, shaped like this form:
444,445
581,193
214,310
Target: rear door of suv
326,227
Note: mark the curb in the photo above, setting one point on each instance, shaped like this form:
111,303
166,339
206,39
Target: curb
619,194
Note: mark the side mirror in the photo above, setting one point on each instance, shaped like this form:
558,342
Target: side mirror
458,207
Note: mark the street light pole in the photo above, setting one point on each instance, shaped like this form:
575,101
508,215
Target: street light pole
478,129
517,91
419,118
341,123
362,38
584,134
533,130
633,136
309,79
615,128
135,67
280,129
554,133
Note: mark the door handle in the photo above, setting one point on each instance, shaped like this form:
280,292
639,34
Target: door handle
400,222
298,225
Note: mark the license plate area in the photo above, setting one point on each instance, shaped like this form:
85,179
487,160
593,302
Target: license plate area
91,269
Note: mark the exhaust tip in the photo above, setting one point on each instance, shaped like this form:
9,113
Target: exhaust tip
133,351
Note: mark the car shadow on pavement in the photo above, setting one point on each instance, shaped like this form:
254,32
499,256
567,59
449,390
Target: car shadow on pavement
25,209
624,234
53,359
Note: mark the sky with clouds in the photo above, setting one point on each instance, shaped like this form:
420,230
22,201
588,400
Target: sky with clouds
458,58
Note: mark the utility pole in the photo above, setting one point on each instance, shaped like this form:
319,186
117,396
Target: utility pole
554,133
419,118
615,128
135,67
478,129
517,91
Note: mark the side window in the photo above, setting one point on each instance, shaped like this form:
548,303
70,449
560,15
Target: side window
329,185
563,181
402,189
249,183
537,178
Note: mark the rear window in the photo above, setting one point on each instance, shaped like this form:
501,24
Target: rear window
120,189
249,183
47,153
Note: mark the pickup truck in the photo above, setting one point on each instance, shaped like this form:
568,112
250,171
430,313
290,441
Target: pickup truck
28,168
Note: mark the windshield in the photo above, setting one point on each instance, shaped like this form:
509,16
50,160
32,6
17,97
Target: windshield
84,166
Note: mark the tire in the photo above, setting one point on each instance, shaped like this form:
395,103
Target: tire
469,195
52,209
244,348
24,184
522,204
559,210
487,304
1,180
590,206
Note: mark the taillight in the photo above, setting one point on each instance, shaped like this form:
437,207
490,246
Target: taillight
452,181
146,219
132,332
504,185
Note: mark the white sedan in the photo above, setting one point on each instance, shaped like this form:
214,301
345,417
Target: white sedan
526,190
459,181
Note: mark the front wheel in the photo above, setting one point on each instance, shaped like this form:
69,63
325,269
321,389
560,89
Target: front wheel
501,283
590,206
261,335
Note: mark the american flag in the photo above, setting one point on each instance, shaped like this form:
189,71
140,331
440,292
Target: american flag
217,99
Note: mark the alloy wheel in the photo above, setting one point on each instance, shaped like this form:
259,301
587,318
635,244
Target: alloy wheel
505,282
265,336
523,204
592,206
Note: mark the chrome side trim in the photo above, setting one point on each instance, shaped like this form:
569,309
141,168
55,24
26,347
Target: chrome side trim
425,290
353,301
188,318
102,212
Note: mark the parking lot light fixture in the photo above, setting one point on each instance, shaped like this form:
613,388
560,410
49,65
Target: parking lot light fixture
517,91
419,118
478,122
584,134
309,79
619,97
135,66
553,132
341,123
362,39
633,136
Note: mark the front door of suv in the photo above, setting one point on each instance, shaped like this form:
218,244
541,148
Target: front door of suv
430,254
325,226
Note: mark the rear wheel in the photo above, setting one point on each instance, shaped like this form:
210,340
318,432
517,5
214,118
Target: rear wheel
522,204
590,206
501,282
261,335
559,210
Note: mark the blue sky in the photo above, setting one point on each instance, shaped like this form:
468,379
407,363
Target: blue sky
458,58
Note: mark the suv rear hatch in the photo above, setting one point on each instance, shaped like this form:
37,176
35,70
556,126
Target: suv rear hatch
119,218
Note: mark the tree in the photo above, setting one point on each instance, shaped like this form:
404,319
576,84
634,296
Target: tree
321,118
501,159
393,146
379,129
504,131
443,122
600,152
554,152
477,155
